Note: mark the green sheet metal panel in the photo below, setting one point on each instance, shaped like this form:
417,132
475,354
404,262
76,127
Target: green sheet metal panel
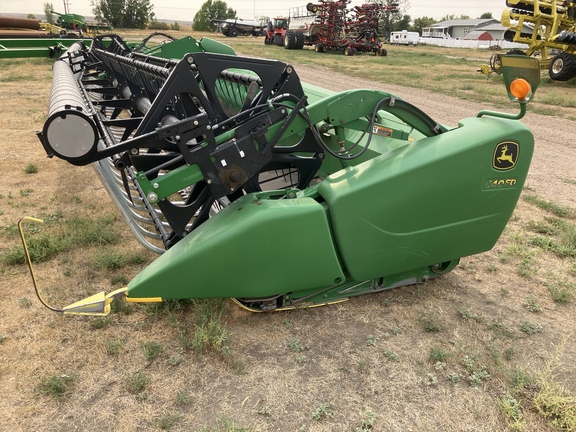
253,248
432,201
37,47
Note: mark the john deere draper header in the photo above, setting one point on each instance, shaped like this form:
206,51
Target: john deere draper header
253,185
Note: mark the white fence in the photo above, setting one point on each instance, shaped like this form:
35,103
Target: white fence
474,44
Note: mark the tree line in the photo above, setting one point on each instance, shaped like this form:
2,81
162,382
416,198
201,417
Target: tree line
139,14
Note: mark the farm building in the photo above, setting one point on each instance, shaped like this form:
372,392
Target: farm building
478,35
475,29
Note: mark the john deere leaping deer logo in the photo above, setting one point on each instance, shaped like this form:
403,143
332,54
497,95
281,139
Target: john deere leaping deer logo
505,156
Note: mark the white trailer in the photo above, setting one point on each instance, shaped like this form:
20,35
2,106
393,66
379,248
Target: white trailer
404,37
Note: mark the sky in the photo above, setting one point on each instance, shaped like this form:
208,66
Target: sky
184,10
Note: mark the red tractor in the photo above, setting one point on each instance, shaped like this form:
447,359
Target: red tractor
330,26
275,31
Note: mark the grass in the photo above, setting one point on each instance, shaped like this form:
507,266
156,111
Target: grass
437,354
54,386
225,425
428,321
368,421
151,350
512,412
166,422
530,327
206,332
391,355
371,340
552,400
322,412
297,346
136,383
56,236
112,259
15,78
550,207
31,169
531,303
561,292
557,236
100,322
113,346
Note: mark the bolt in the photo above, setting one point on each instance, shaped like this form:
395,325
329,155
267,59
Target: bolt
190,60
195,122
155,185
177,137
208,127
425,278
342,120
291,195
235,176
152,197
209,181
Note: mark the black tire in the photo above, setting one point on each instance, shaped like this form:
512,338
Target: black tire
562,67
382,52
319,48
233,32
290,40
300,39
267,41
349,51
516,52
278,40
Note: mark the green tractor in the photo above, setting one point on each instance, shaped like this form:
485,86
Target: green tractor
70,21
253,185
77,23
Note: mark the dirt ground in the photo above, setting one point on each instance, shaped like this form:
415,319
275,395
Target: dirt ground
364,364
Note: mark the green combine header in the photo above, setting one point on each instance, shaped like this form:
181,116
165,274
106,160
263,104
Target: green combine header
253,185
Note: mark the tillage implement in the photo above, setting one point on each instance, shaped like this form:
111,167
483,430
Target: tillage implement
253,185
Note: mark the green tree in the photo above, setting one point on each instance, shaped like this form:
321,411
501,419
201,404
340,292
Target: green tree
486,15
123,13
48,8
403,24
422,22
454,17
210,10
392,20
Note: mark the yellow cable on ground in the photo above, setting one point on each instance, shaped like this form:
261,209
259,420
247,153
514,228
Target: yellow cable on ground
29,261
